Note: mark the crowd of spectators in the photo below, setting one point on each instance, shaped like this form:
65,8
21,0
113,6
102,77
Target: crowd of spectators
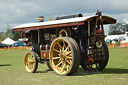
115,41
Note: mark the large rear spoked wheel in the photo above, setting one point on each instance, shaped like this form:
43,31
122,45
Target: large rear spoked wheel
98,66
30,62
64,57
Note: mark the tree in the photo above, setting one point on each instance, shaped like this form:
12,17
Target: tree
11,34
2,36
17,35
116,29
126,26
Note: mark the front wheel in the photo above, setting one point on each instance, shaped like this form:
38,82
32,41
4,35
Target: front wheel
30,62
98,66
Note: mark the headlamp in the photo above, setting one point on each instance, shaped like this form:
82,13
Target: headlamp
99,44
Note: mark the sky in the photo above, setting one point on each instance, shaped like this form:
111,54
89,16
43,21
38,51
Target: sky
16,12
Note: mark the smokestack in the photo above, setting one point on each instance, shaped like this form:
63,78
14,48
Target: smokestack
41,18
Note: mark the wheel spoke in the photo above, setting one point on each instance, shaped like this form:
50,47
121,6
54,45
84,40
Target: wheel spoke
59,60
56,50
62,64
68,52
69,57
64,44
32,61
63,67
71,61
27,60
59,45
59,64
67,49
54,58
67,67
68,62
30,57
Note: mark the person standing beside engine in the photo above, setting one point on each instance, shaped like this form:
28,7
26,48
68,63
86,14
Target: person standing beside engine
38,38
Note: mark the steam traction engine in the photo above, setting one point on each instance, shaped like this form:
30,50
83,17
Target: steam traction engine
67,42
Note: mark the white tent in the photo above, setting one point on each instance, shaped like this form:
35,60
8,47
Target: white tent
8,41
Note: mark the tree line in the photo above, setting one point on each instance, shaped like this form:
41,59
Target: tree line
118,28
11,34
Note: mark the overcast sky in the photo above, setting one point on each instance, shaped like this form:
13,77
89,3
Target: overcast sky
15,12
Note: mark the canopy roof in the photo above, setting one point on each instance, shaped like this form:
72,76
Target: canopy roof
62,23
8,41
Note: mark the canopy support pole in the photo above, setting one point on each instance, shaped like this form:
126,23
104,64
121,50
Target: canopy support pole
38,36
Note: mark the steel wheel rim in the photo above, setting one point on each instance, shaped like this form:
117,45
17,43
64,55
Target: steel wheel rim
29,62
61,56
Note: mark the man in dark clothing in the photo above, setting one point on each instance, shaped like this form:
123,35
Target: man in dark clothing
36,44
82,35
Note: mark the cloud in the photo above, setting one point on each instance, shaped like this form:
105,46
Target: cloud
14,12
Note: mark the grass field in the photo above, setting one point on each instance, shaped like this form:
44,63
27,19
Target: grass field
12,71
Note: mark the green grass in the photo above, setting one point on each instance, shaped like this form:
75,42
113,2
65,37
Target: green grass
12,71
